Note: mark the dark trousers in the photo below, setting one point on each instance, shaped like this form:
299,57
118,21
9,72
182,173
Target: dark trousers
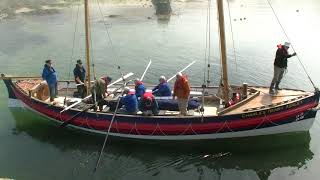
82,91
53,90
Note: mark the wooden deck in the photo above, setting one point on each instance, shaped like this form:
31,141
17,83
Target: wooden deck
265,99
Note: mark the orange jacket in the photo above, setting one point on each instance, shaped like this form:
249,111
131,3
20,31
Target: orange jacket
181,88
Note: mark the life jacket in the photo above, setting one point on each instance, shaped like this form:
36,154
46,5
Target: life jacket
234,100
148,99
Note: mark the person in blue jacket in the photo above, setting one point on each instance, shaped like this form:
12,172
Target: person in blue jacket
163,88
139,87
50,75
129,101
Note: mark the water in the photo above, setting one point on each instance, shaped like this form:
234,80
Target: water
35,30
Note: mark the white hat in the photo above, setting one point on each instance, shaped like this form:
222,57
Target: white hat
179,74
287,44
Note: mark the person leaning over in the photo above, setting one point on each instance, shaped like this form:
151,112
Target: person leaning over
50,75
280,65
98,93
182,91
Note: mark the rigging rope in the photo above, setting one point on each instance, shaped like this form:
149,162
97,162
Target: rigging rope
108,34
231,29
304,69
72,52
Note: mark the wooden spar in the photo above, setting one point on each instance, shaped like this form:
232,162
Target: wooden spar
144,73
118,80
86,14
223,51
181,70
19,77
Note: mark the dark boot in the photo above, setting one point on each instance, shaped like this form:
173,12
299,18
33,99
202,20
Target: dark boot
271,91
277,86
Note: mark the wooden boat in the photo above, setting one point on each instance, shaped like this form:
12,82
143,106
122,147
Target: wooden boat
260,113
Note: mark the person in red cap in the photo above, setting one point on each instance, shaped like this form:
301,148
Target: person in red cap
148,104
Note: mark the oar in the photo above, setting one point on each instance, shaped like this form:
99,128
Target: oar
109,128
65,123
118,80
181,70
144,73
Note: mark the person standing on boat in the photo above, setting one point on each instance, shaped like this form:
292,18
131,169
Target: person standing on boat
98,93
79,76
182,91
163,88
148,104
280,65
50,75
139,88
129,102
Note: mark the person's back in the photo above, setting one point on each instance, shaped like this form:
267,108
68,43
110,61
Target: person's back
148,103
163,89
139,88
130,103
182,88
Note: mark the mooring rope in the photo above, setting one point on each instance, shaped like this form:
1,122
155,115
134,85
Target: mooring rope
304,69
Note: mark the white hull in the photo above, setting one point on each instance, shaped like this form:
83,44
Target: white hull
298,126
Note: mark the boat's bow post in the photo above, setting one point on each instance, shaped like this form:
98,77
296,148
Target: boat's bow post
8,82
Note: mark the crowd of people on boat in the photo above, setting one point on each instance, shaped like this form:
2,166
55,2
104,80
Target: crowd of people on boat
133,100
141,99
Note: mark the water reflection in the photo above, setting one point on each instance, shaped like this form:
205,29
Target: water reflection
143,158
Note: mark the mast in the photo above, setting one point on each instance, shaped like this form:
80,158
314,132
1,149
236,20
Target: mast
223,51
86,18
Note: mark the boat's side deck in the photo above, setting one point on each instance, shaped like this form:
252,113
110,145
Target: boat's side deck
264,99
258,98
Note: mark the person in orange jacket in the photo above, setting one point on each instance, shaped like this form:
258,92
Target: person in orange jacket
182,92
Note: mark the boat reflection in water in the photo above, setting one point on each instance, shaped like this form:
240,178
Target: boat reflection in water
254,156
163,10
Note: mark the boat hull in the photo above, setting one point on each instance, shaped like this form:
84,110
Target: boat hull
297,116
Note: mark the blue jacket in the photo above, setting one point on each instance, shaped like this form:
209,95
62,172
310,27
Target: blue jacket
78,73
140,90
163,89
49,74
130,103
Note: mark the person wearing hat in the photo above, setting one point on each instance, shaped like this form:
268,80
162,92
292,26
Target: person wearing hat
280,65
181,90
163,88
50,75
79,73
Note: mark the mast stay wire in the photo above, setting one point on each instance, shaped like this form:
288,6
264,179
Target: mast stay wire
108,34
304,69
72,51
231,29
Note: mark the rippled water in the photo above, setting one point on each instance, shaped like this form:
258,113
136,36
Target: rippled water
34,30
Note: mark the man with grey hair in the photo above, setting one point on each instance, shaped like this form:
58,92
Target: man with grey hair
181,90
163,88
280,66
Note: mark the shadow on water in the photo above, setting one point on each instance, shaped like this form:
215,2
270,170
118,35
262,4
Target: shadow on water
259,154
